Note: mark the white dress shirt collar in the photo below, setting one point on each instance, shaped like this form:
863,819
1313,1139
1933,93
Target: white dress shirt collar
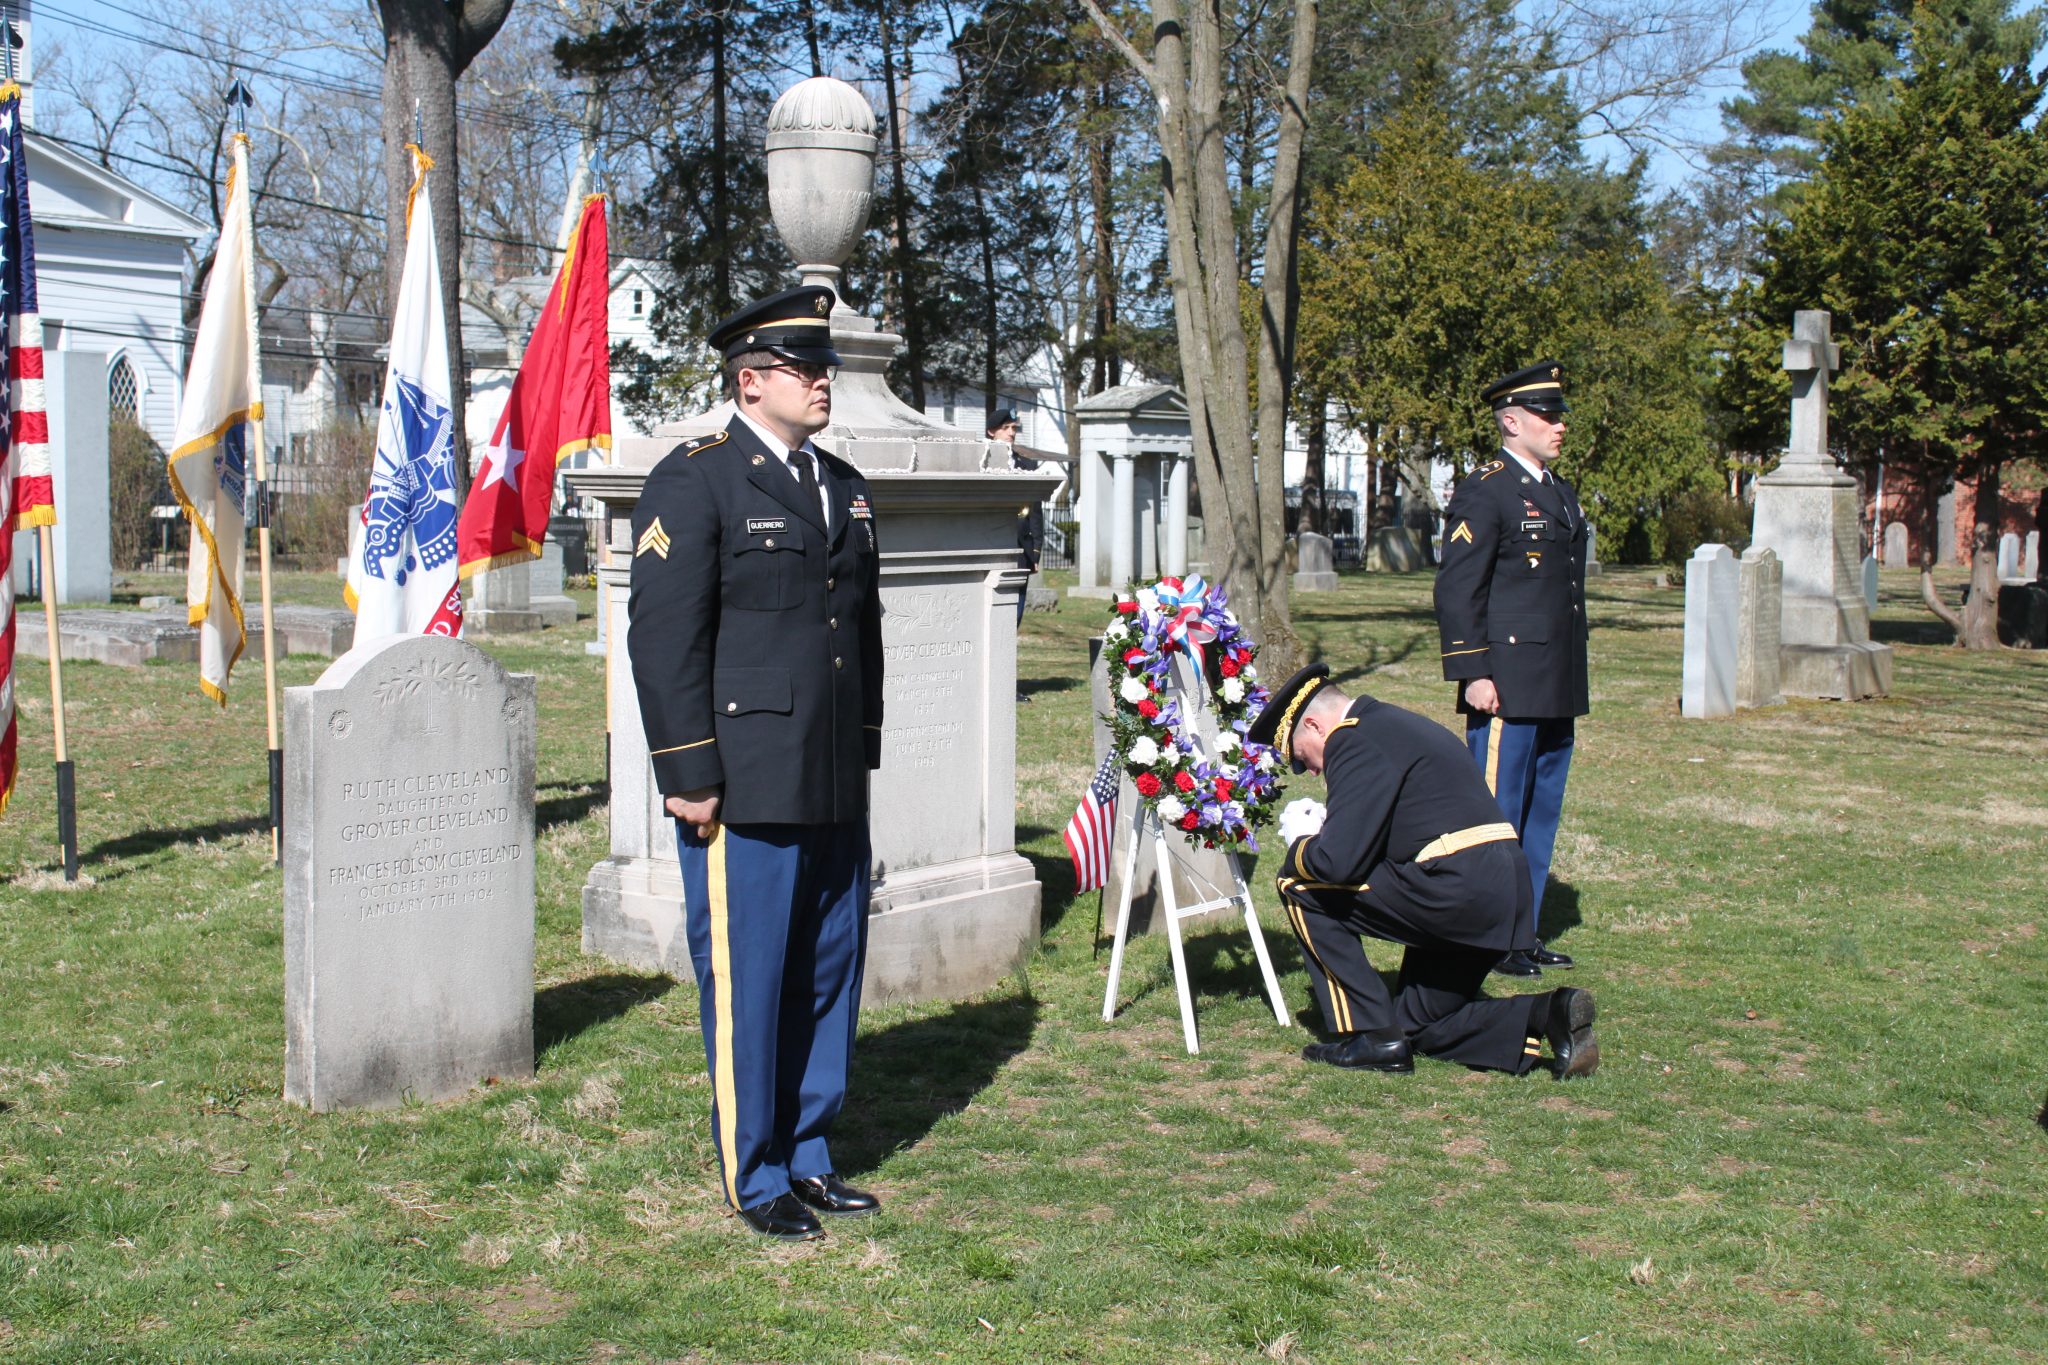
777,448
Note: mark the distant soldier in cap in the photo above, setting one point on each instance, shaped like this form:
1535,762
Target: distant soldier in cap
1511,609
1410,848
756,643
1002,428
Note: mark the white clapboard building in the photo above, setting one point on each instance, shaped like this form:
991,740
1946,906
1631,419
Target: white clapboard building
110,275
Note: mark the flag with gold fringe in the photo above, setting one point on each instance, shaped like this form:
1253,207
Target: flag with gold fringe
561,402
209,460
26,497
401,579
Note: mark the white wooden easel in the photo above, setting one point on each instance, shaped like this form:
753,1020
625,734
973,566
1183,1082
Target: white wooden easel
1145,821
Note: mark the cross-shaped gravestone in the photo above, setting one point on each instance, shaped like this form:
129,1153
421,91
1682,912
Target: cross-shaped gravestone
1809,355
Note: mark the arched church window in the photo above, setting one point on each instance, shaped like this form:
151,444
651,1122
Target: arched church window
124,393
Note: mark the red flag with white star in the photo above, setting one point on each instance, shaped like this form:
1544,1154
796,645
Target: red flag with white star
561,402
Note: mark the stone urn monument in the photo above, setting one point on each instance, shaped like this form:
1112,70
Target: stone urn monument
955,906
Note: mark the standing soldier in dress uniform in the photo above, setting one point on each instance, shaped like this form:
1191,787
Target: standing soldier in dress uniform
1511,608
756,642
1411,849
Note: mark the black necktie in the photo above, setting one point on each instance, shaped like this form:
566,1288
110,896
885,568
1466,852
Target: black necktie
800,461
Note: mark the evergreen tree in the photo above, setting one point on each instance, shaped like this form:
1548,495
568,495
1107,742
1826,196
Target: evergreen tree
1922,232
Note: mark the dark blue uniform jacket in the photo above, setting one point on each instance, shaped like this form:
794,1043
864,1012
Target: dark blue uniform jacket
1511,591
756,633
1413,835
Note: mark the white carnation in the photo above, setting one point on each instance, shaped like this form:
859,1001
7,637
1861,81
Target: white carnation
1144,752
1170,808
1170,754
1266,761
1226,742
1233,690
1116,630
1132,689
1148,601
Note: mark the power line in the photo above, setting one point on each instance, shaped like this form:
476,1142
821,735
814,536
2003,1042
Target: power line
313,77
261,194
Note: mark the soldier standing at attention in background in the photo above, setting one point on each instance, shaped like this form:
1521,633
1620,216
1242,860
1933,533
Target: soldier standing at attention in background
1511,609
756,643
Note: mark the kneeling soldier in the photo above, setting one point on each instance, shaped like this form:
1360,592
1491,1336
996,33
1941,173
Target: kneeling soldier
1413,850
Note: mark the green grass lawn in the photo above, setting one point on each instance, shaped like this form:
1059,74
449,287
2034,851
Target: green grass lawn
1816,934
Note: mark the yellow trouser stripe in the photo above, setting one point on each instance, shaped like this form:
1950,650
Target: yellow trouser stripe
1444,845
1493,732
721,984
1340,1004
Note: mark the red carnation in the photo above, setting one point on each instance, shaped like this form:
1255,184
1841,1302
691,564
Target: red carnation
1184,782
1127,608
1222,789
1148,785
1228,668
1133,657
1148,709
1191,821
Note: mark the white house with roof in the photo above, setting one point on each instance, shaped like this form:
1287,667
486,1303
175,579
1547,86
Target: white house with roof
110,278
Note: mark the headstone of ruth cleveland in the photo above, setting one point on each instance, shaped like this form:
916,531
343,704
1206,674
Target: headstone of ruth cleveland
1711,617
408,875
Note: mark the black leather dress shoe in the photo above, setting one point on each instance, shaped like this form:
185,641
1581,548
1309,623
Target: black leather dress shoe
1518,964
1574,1050
783,1217
1543,957
827,1193
1363,1052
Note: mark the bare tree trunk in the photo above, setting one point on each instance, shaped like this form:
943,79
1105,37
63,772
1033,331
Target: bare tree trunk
1279,301
427,45
908,316
1108,367
1315,474
1980,613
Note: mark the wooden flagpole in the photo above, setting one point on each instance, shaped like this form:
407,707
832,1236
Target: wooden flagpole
67,781
239,100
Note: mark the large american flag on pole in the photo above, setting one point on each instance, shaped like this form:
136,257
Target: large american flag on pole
25,492
1093,829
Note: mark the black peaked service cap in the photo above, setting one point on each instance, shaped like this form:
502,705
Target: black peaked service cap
1539,388
1275,724
795,324
1001,417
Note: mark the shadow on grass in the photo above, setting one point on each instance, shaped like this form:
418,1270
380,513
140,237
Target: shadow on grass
1032,687
143,842
1928,632
1055,879
561,1012
1560,910
578,799
1220,963
909,1076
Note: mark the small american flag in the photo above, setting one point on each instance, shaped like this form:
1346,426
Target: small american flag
1093,828
25,492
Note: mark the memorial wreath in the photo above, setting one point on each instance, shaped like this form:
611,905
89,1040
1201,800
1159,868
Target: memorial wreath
1217,800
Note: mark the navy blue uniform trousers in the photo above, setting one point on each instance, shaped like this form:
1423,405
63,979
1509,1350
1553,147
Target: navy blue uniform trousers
777,917
1526,763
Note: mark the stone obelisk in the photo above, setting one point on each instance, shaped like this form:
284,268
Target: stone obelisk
955,906
1806,512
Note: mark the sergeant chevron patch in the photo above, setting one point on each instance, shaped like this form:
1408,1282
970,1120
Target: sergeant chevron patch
1464,532
653,538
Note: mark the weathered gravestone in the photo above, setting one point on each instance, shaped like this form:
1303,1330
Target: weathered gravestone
1896,546
1870,584
1708,689
2009,558
1316,563
408,875
546,593
1395,549
2030,558
1592,551
1806,511
1759,606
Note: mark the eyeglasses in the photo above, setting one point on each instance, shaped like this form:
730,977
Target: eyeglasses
806,372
